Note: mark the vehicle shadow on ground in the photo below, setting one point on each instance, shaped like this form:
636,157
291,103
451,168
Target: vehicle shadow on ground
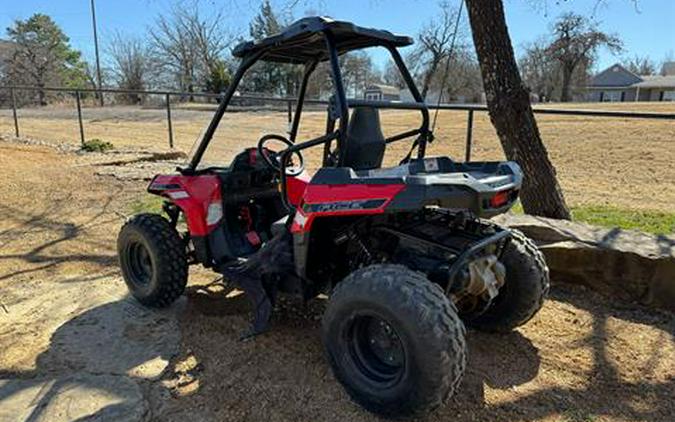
283,374
291,380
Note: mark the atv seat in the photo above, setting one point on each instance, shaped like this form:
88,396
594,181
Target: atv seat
365,141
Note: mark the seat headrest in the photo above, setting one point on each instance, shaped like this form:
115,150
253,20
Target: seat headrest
365,140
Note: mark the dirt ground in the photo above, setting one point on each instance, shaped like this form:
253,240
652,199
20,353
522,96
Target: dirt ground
600,161
73,345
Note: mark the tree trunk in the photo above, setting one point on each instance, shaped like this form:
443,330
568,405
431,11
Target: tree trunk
510,111
42,96
427,78
566,82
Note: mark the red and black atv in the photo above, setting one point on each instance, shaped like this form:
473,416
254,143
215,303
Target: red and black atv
405,253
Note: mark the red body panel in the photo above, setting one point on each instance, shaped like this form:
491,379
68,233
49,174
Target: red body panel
326,194
334,193
295,188
193,194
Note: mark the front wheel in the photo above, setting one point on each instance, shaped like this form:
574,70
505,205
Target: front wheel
394,340
153,260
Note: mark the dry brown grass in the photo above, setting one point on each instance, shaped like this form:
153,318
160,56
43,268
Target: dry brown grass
600,161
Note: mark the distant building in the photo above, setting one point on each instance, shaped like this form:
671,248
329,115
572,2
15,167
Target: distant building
380,92
617,83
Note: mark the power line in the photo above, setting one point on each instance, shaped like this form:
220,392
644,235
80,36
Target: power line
98,62
447,63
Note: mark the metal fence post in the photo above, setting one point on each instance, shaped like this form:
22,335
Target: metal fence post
469,135
289,110
168,119
16,118
79,116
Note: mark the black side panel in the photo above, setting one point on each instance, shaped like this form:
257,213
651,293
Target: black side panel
414,197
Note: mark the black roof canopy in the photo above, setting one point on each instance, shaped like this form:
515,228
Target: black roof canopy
303,41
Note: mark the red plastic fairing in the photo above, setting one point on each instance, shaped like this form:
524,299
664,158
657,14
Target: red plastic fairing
193,194
332,194
295,188
315,194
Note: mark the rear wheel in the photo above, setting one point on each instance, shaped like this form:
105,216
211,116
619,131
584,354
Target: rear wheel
394,340
153,260
525,288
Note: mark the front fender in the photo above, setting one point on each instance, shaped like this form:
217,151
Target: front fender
199,197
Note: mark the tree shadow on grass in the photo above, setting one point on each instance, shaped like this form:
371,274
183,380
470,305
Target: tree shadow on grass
46,255
606,392
95,367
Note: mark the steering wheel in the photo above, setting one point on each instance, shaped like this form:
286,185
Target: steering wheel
273,158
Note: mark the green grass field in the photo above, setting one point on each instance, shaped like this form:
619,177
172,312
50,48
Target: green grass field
657,222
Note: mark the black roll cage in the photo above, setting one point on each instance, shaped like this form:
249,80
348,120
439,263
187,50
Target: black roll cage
340,102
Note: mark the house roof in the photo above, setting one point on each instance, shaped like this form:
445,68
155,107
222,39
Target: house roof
615,76
657,82
303,40
385,89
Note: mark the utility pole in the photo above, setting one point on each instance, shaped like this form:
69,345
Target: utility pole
98,62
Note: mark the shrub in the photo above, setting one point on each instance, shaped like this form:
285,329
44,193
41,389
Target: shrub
96,145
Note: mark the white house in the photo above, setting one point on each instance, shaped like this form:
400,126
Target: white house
616,83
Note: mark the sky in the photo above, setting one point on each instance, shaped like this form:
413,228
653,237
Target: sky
646,28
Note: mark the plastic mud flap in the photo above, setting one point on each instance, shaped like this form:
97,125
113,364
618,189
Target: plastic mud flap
464,258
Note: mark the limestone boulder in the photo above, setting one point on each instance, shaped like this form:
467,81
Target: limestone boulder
625,263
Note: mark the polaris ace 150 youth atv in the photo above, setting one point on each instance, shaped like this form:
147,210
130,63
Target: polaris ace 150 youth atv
404,253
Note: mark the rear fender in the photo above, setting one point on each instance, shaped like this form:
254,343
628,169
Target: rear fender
335,201
342,200
198,197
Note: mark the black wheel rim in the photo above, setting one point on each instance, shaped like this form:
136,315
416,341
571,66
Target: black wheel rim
139,264
376,350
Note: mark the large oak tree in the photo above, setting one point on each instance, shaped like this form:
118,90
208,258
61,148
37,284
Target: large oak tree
575,41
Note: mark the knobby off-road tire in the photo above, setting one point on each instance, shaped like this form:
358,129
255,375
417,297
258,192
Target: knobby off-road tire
429,361
524,291
153,260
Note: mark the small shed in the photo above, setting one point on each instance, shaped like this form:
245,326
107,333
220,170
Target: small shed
380,92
